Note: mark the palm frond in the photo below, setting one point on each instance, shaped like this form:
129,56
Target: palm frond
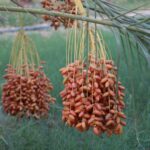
119,17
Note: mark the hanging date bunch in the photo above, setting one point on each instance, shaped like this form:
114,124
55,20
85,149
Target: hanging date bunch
26,91
66,6
92,96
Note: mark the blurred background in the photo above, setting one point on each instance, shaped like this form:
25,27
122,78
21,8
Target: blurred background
52,133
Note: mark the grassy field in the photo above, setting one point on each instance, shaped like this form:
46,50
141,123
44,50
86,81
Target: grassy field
52,133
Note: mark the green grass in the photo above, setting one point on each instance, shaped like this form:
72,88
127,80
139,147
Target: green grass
53,134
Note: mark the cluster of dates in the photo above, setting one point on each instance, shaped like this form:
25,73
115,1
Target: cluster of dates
26,95
93,98
66,6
